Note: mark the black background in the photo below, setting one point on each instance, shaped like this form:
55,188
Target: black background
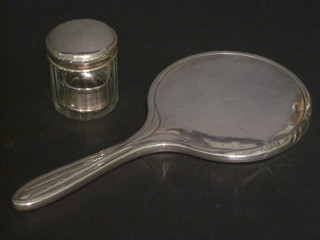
160,196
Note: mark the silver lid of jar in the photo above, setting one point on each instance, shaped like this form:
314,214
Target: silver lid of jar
81,43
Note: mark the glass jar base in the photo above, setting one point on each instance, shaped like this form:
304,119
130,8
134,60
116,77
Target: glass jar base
85,116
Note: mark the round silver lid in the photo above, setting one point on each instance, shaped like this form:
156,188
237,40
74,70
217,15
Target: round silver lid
81,41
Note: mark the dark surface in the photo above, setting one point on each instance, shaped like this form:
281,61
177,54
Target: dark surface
160,196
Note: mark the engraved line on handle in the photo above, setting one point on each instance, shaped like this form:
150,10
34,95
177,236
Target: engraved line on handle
58,183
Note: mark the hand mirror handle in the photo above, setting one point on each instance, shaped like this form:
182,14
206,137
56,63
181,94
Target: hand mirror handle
56,184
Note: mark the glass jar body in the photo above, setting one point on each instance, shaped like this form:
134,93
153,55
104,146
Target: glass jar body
86,94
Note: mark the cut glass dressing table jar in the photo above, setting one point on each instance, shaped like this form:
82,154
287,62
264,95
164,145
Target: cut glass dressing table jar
82,56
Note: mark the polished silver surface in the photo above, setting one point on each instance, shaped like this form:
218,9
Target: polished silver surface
81,41
222,106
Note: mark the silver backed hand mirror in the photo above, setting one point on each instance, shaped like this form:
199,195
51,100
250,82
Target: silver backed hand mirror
221,106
